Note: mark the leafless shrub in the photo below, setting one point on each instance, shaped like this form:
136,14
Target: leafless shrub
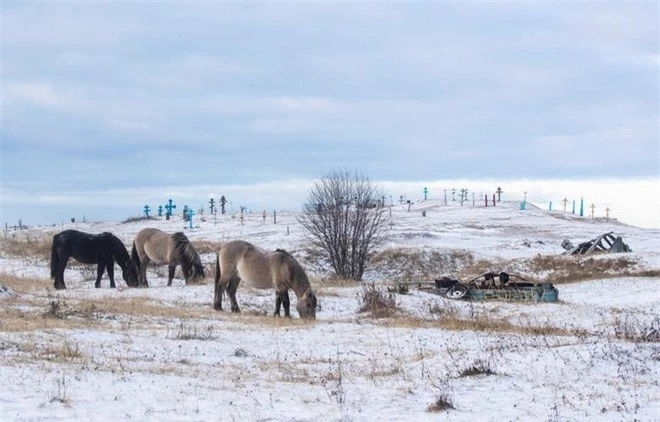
190,331
56,308
444,400
478,367
378,303
344,216
65,352
138,218
631,328
333,383
60,395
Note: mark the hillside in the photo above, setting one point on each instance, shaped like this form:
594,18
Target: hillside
164,353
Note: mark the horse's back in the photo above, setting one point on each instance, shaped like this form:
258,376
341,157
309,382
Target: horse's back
154,243
248,262
84,247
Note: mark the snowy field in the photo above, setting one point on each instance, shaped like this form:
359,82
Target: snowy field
163,353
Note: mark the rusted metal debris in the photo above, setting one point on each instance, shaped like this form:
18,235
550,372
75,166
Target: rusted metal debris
605,243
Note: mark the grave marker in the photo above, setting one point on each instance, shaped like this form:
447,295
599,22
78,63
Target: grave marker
169,208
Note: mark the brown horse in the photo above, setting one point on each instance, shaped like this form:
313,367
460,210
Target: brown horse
239,260
153,245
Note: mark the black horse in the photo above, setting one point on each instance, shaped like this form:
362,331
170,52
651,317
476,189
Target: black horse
102,249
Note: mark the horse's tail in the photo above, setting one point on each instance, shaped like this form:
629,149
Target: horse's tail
134,255
217,267
53,260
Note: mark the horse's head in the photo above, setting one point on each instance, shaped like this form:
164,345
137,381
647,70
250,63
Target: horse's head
194,274
130,274
306,305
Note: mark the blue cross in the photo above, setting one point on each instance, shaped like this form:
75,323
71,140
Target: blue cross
190,215
146,210
169,207
160,210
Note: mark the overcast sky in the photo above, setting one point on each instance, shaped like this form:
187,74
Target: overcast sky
108,106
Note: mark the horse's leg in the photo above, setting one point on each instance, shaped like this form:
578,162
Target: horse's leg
232,286
285,302
170,275
99,273
142,276
217,297
278,303
59,275
111,273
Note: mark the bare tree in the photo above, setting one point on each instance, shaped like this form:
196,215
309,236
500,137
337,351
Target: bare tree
344,216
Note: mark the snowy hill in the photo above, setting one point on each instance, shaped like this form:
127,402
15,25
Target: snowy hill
164,353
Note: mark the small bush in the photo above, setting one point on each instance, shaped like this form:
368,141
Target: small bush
444,400
629,327
55,308
189,331
377,303
479,367
136,219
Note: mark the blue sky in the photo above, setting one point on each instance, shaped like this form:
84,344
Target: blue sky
107,106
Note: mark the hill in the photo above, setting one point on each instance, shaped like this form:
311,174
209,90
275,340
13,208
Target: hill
163,352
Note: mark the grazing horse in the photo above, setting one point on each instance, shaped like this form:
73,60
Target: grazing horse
153,245
239,260
102,249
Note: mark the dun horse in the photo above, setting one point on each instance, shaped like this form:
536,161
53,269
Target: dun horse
153,245
102,249
239,260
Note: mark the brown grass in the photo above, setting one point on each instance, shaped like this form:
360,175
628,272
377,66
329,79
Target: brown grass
25,285
573,268
206,246
484,323
401,264
378,303
31,245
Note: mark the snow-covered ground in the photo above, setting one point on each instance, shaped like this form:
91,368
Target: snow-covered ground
163,353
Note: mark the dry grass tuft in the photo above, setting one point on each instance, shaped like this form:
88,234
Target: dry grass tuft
452,320
25,285
30,245
192,331
56,308
334,282
378,303
573,268
478,367
441,404
206,247
138,218
631,328
401,264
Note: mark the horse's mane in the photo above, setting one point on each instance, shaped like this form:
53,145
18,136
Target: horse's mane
187,252
118,247
297,271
